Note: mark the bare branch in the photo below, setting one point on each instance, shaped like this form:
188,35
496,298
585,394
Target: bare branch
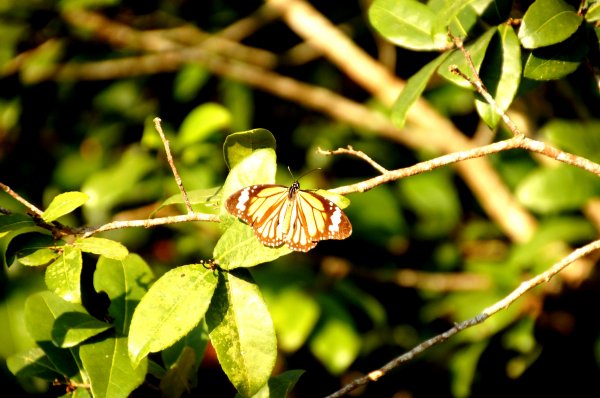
151,222
351,151
184,194
486,313
32,208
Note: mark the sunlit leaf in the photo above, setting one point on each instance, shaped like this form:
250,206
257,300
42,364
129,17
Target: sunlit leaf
109,368
201,122
63,275
409,24
242,333
171,308
240,145
548,22
64,204
125,282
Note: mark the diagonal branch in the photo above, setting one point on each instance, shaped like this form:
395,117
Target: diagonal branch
476,320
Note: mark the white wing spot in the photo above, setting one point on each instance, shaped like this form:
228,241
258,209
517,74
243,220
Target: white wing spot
336,219
244,196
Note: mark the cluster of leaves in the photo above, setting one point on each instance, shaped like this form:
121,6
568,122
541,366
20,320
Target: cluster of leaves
163,324
552,41
176,314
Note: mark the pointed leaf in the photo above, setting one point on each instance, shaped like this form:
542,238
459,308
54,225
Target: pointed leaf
110,370
548,22
11,226
241,331
201,122
171,308
33,363
501,74
409,24
413,90
64,204
41,312
555,62
33,248
63,275
240,145
101,246
196,339
74,327
125,282
201,199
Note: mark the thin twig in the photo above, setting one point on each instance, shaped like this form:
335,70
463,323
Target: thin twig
151,222
184,194
486,313
32,208
351,151
477,83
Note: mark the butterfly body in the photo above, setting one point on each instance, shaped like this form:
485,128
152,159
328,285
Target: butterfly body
288,215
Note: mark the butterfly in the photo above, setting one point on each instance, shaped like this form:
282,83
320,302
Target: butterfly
288,215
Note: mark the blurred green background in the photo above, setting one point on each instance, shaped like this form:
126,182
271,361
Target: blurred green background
423,253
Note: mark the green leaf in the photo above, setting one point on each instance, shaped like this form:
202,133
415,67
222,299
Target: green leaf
103,247
413,90
279,386
196,339
41,312
335,341
33,363
171,308
593,13
201,122
562,188
189,80
555,62
477,51
72,327
125,282
239,247
409,24
34,249
295,314
181,376
207,198
63,275
242,333
579,137
64,204
11,226
240,145
501,74
548,22
109,368
75,4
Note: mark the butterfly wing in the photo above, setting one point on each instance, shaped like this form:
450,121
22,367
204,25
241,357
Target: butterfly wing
315,218
279,215
263,207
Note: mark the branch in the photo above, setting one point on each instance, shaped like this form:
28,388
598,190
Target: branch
517,142
32,208
184,194
489,311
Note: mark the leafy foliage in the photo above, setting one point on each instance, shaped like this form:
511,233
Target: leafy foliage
117,314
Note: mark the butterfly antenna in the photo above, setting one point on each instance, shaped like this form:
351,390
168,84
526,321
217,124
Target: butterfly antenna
308,172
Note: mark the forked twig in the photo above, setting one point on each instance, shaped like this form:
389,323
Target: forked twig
351,151
184,194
